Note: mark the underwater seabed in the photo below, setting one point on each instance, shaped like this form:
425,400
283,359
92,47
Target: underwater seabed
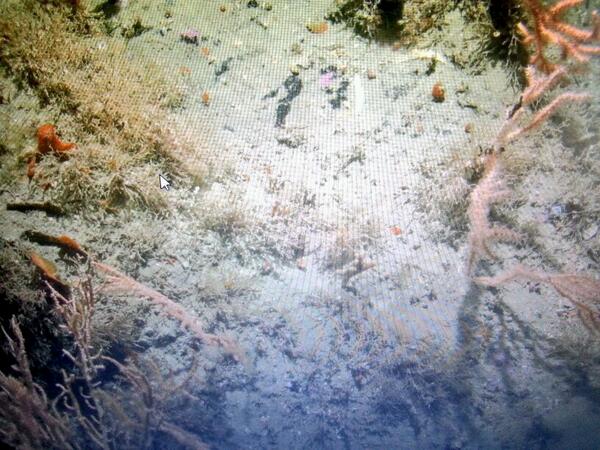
307,278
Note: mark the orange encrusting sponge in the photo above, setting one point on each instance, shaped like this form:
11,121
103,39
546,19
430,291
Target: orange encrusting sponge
48,141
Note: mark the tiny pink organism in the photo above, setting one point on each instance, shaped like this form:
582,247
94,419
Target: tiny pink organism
326,79
190,36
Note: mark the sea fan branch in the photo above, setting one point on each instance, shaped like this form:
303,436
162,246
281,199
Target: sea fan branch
123,284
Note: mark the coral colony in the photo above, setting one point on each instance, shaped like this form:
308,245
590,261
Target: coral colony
78,406
542,76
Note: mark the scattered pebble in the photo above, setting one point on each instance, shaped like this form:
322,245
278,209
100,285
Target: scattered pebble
371,74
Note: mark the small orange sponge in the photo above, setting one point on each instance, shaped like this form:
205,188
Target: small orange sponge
438,93
48,141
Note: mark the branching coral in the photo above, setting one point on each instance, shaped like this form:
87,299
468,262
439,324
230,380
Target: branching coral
542,76
85,413
550,29
118,282
490,189
581,290
26,417
574,42
537,86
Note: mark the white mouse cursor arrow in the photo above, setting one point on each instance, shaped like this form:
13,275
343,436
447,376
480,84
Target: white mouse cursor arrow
164,183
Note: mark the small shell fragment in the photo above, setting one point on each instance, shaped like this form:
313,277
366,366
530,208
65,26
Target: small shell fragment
317,27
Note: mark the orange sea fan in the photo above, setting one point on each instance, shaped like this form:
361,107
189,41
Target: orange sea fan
549,28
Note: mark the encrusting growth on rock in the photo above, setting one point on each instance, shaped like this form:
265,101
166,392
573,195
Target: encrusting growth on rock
65,243
47,207
49,273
